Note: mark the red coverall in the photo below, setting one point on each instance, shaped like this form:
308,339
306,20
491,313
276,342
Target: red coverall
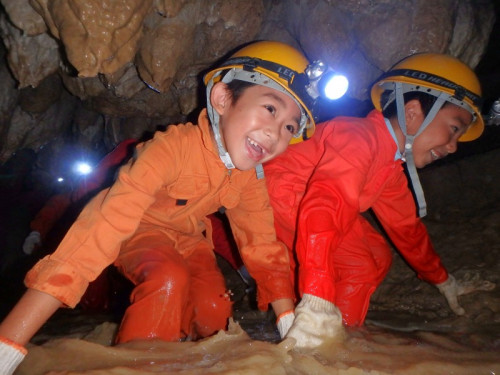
152,223
318,191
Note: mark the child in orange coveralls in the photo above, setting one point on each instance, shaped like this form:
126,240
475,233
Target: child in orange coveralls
424,106
152,223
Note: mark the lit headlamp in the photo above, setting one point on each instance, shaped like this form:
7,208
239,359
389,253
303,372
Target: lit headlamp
82,168
324,82
318,80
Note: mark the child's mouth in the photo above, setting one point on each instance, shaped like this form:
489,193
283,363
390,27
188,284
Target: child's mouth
255,151
435,155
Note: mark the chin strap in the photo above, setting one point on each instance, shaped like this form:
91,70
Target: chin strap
409,139
214,121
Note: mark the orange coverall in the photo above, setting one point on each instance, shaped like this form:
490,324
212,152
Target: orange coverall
152,223
96,296
318,191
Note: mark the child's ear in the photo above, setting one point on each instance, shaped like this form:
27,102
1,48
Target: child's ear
220,97
414,116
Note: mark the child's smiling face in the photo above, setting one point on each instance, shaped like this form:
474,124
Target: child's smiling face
441,136
258,126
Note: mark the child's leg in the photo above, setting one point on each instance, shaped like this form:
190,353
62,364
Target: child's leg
160,297
362,261
208,298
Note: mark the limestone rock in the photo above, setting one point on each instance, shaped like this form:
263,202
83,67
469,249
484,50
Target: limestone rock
146,59
24,17
30,58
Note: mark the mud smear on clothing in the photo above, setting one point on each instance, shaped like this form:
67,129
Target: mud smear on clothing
366,350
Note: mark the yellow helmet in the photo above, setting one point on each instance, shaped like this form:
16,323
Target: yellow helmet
284,65
434,74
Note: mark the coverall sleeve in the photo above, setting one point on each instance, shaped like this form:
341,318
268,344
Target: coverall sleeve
327,211
266,258
94,240
396,210
50,213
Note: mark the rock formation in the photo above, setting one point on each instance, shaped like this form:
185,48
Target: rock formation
141,61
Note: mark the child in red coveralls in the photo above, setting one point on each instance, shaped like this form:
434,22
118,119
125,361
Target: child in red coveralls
424,106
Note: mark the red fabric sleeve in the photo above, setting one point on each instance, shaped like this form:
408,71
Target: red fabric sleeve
51,212
396,210
99,176
266,258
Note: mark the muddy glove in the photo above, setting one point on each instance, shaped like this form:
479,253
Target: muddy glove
284,322
31,242
452,288
11,355
316,321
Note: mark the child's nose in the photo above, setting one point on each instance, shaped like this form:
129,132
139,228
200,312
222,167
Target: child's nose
452,146
272,132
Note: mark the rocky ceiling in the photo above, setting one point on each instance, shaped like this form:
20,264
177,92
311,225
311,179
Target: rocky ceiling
110,69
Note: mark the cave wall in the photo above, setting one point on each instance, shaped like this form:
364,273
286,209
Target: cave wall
96,72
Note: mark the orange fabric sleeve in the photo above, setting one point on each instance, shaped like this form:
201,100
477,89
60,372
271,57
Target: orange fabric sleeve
266,258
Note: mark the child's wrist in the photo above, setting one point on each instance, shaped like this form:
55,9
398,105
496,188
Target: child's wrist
11,355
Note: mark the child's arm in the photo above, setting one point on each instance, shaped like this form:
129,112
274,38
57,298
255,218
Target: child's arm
265,258
395,208
24,320
28,315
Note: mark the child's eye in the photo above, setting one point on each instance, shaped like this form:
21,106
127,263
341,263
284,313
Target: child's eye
292,129
271,109
455,129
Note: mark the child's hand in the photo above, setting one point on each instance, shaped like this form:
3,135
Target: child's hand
452,288
31,242
316,321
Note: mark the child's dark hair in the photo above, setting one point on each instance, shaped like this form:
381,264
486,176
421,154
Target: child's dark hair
237,88
426,102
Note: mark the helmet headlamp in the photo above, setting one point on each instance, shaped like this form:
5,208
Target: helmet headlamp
82,168
324,82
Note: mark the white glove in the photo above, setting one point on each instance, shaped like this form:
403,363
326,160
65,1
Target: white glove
11,355
284,322
452,288
31,241
449,289
316,322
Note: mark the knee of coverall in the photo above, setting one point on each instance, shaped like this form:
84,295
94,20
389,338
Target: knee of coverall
353,301
158,302
208,295
380,252
212,305
362,261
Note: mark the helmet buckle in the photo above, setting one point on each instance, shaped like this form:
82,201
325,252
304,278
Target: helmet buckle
460,93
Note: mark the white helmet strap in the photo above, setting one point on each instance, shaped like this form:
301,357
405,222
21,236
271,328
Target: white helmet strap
214,121
409,139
